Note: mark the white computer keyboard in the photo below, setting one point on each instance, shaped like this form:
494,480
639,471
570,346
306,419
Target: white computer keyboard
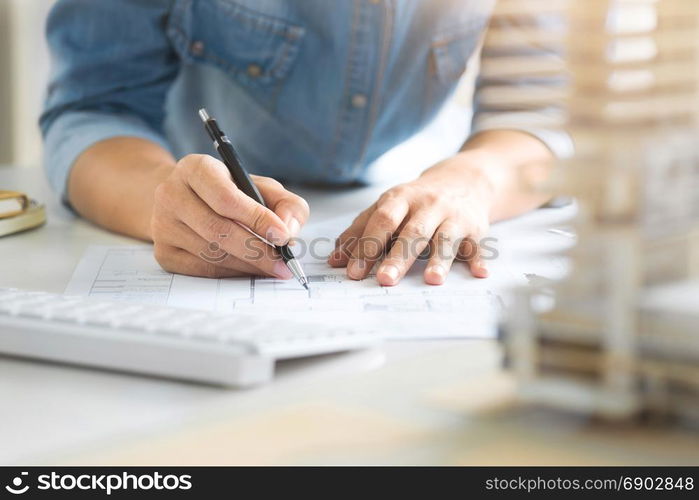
218,348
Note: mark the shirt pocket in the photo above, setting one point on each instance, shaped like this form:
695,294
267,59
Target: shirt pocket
256,50
449,54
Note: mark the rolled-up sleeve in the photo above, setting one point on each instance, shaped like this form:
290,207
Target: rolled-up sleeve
112,67
523,82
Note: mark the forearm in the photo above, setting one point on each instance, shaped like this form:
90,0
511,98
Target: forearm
502,167
113,182
514,163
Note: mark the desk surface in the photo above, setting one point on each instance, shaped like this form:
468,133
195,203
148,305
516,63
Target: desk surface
406,403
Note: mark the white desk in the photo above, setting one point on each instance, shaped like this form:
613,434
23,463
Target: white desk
427,402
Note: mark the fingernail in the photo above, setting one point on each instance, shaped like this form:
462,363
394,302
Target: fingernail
281,271
356,268
276,236
390,271
438,270
294,226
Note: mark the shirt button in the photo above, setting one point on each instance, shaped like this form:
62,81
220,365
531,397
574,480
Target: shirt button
359,101
197,48
254,70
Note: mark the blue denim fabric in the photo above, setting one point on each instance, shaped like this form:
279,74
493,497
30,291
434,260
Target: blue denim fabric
308,90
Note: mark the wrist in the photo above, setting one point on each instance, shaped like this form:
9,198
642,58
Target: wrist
472,172
161,171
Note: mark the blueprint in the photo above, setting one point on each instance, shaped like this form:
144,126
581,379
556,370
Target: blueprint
462,307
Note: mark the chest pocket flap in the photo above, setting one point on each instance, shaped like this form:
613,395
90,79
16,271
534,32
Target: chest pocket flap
452,49
256,49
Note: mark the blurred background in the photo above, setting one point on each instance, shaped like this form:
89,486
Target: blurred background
24,70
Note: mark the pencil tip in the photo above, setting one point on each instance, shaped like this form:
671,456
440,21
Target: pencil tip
305,285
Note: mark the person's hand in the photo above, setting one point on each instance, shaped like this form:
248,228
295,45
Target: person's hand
197,220
446,208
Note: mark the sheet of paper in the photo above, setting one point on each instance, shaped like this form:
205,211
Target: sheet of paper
463,307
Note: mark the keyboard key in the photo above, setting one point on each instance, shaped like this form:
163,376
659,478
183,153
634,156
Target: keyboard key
182,335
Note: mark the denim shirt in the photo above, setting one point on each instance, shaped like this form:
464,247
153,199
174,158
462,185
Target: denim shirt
308,90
